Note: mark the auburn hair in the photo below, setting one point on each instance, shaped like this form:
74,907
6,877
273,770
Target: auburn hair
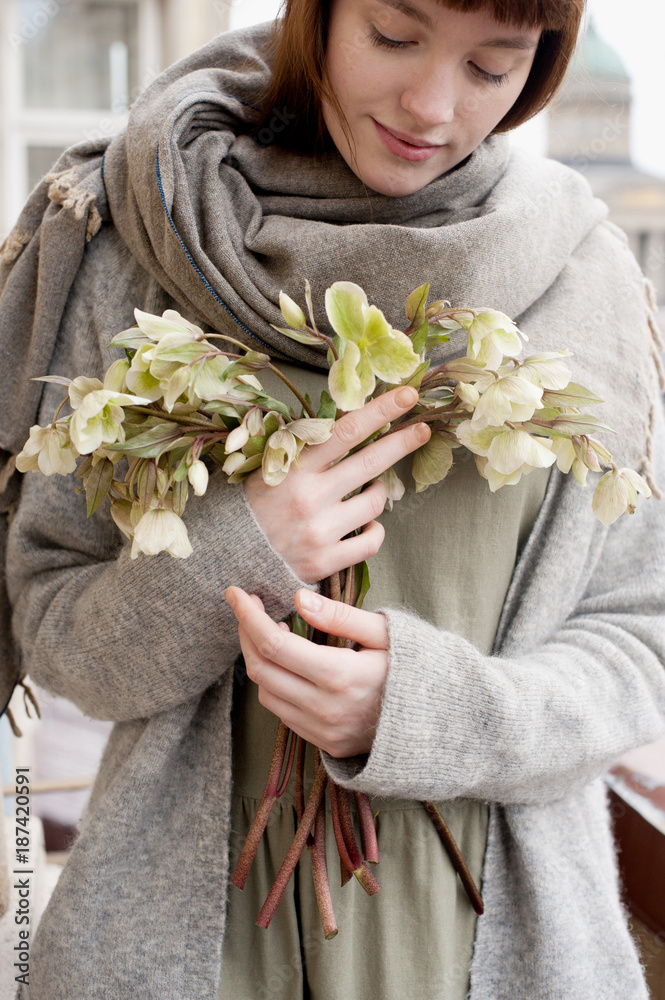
298,47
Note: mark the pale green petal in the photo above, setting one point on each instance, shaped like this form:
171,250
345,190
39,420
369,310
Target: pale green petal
175,386
476,440
81,387
157,327
237,439
208,382
345,379
496,480
511,448
144,384
114,379
291,311
197,475
344,302
610,497
432,462
312,430
565,453
161,530
390,352
636,481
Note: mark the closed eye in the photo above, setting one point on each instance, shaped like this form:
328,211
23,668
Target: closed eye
497,79
386,43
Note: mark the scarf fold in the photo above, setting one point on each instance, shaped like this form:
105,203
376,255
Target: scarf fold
224,222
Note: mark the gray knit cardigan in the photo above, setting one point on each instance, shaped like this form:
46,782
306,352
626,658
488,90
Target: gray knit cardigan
575,679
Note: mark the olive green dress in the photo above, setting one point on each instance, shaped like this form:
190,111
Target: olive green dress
448,556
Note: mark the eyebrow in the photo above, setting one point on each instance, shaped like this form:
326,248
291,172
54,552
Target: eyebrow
512,42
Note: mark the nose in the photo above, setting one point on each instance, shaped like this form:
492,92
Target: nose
430,98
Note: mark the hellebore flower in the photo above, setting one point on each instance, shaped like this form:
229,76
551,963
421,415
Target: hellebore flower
48,450
616,494
98,414
370,347
161,530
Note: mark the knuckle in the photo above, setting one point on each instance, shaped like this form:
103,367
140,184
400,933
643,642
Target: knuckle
346,429
270,646
372,540
377,499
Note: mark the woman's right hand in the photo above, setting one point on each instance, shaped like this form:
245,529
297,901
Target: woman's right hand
306,518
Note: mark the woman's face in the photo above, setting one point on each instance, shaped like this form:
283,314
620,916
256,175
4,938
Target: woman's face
421,86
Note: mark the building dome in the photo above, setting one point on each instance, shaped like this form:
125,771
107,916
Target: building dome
595,58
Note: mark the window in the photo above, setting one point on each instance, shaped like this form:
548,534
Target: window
70,70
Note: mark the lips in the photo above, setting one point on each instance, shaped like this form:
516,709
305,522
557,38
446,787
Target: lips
405,146
411,140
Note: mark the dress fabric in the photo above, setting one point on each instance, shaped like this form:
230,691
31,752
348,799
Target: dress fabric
416,935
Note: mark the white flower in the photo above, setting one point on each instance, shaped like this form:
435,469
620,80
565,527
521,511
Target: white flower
161,530
491,336
48,450
507,398
280,450
509,452
616,494
98,414
198,477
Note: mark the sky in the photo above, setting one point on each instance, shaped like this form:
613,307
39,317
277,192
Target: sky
636,30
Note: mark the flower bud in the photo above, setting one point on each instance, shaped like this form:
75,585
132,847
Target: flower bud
198,477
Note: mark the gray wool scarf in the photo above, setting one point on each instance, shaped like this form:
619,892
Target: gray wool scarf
224,222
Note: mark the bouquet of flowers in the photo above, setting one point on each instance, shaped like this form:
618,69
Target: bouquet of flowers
177,404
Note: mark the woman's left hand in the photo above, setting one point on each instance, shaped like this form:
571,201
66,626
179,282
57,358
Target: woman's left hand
329,696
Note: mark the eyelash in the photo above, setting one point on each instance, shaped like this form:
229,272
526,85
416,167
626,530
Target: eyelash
390,43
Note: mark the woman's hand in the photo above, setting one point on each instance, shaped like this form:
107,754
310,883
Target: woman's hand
329,696
306,518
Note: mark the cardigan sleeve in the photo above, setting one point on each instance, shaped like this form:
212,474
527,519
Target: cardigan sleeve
127,638
564,696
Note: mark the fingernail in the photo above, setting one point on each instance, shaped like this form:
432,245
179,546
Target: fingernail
407,396
230,596
423,431
310,601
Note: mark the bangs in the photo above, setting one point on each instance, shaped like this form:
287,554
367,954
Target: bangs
551,15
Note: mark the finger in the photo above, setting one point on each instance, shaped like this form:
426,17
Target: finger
353,428
370,462
367,628
347,552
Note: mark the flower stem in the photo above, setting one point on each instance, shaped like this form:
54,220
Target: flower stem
287,382
270,795
320,870
367,828
295,850
347,845
456,858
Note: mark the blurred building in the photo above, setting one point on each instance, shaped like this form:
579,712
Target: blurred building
71,68
590,128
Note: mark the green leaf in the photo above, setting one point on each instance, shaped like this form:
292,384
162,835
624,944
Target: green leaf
98,484
419,338
415,306
572,395
273,404
150,443
130,339
302,336
56,379
362,583
180,492
327,408
434,338
299,625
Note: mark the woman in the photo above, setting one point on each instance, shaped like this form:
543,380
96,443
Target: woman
538,657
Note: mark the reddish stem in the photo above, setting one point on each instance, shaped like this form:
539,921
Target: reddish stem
294,851
300,778
367,828
347,844
320,872
456,858
270,795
